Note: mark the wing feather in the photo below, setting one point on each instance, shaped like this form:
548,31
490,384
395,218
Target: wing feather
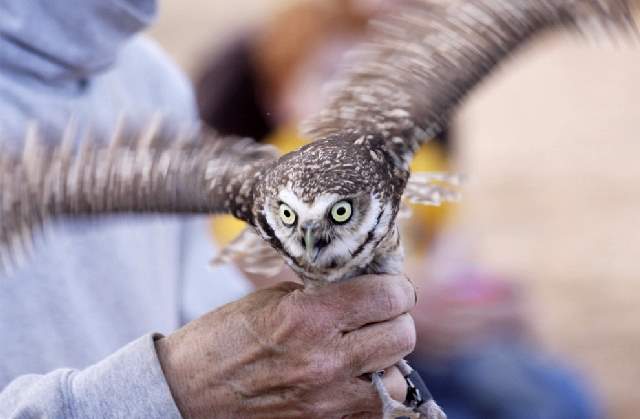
252,254
424,58
210,174
432,188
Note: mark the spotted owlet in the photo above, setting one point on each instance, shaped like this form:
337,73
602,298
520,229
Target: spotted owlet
329,208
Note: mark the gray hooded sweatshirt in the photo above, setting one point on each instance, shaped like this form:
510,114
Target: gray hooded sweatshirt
77,322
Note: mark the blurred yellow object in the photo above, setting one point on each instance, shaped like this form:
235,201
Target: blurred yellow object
426,221
417,231
286,139
225,228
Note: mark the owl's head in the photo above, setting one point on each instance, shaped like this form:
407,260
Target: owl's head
327,206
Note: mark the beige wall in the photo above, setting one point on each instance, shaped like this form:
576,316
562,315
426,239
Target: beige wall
552,148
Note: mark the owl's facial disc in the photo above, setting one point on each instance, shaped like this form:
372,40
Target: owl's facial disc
311,226
325,233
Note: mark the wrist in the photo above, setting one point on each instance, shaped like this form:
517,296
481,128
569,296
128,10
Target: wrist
172,374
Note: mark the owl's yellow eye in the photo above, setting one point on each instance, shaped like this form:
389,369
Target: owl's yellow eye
287,215
341,212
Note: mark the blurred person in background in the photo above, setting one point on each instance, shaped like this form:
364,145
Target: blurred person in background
77,321
474,348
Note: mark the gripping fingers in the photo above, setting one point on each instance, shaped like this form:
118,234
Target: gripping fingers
376,346
364,300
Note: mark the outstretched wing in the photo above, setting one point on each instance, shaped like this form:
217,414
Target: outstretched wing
423,59
203,173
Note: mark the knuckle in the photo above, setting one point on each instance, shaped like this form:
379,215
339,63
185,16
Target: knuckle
408,292
391,299
405,334
411,291
397,295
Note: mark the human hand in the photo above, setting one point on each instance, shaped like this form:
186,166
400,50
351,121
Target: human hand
286,352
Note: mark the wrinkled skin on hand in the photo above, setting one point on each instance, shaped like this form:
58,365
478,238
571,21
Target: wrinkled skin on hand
284,352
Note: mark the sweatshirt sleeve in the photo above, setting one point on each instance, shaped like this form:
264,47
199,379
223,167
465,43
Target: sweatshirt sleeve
127,384
64,40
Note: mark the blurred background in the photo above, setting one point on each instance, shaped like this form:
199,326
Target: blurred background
550,146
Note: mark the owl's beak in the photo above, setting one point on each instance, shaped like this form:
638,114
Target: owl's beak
310,240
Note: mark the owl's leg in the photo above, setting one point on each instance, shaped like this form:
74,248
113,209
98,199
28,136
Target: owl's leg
391,409
423,405
420,396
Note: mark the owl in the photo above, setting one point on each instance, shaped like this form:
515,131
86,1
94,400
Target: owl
330,208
